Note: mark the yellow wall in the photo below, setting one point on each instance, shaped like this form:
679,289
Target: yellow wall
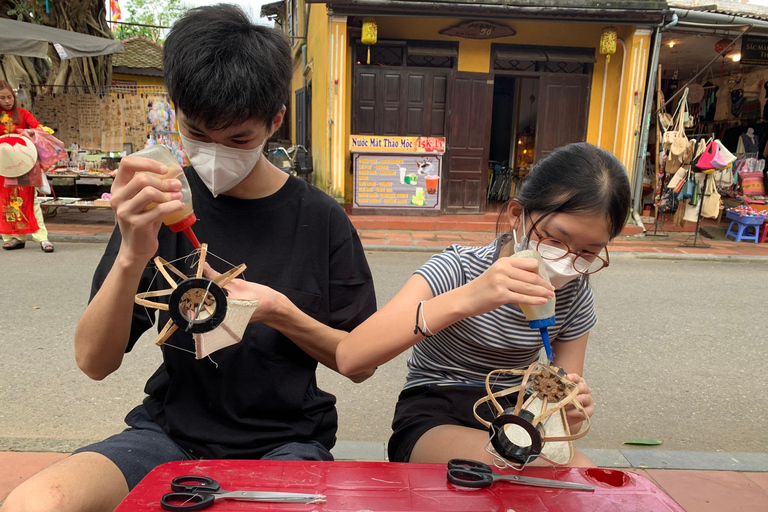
317,61
140,79
297,82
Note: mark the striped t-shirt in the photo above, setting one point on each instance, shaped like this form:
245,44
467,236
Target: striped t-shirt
465,352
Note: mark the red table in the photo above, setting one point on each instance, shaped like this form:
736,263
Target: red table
384,486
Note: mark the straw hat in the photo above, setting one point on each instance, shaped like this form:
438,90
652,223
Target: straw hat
18,156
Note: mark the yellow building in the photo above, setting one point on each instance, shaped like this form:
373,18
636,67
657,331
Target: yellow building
500,81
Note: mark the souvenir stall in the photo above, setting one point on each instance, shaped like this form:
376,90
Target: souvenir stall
712,95
99,127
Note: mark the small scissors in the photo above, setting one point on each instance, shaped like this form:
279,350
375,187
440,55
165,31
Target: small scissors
470,473
200,492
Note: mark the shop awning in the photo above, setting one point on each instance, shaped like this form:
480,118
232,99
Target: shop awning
620,11
31,40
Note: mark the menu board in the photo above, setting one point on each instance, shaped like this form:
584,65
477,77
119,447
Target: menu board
397,181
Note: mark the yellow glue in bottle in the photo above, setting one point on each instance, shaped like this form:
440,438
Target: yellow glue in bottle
539,316
183,220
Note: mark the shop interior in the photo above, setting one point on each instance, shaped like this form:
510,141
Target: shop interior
726,100
513,134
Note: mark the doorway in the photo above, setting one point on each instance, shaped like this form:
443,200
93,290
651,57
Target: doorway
511,155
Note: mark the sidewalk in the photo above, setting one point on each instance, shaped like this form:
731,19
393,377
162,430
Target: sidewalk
432,234
723,482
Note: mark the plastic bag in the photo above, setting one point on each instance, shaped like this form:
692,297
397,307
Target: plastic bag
49,149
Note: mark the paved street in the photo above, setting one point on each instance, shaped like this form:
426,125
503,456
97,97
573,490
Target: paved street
679,355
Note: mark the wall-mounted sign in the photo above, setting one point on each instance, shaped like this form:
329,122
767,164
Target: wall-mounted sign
391,144
754,50
479,30
397,181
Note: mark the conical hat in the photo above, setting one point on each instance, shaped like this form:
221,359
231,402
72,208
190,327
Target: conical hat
18,156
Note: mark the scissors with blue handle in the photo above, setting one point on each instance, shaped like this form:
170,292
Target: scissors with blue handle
200,492
470,473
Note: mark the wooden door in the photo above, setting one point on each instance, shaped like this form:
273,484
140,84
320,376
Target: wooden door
468,142
563,111
395,101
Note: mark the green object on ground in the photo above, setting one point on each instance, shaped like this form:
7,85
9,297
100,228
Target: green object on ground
643,442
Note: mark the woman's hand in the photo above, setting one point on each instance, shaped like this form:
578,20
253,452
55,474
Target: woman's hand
138,184
269,299
574,416
507,281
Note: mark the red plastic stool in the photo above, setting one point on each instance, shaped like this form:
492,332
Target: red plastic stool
763,233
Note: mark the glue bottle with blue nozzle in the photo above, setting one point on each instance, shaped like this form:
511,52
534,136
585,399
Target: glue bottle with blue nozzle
183,220
539,316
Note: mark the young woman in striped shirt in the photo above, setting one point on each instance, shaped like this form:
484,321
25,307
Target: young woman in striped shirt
574,202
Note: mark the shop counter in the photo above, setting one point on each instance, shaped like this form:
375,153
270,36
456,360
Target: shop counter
398,487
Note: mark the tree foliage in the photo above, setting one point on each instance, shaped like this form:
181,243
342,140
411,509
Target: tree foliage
159,13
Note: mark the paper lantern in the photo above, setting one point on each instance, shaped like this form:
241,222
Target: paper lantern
370,34
722,45
608,42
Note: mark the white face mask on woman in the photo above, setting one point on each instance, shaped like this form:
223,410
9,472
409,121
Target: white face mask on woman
220,167
560,271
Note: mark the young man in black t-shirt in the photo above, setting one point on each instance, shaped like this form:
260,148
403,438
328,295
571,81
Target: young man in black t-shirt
228,80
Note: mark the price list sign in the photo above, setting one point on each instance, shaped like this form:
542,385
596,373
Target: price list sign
397,181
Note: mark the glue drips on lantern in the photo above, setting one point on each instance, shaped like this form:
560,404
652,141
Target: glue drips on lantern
183,220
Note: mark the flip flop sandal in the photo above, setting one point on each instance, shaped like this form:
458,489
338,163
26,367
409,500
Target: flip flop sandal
46,246
14,244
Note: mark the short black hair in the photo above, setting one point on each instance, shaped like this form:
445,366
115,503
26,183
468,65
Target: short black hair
575,178
221,70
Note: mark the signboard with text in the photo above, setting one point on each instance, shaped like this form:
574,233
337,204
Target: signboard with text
397,181
754,50
394,144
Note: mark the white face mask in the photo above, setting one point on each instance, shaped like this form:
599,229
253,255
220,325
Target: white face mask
560,271
220,167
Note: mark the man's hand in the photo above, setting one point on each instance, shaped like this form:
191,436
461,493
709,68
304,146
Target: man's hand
138,184
269,299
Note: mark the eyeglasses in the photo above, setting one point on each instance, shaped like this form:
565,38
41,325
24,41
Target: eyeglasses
585,263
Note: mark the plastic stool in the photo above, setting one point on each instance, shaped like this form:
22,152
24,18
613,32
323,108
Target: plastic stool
741,228
764,233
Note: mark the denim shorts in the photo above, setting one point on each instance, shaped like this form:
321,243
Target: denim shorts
144,445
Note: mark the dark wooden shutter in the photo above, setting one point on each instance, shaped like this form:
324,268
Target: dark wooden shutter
301,117
563,111
470,127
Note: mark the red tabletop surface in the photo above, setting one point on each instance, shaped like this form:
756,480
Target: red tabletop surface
385,486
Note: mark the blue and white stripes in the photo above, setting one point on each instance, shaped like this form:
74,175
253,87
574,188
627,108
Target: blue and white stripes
465,352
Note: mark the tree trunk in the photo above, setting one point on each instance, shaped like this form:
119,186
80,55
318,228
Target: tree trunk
84,16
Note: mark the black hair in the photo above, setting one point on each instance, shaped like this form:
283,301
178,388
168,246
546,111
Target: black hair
221,70
575,178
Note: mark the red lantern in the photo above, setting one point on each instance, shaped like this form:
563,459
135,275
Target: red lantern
721,45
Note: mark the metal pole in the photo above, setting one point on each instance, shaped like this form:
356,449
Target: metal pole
645,122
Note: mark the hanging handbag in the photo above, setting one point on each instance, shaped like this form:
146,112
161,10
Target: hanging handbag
678,142
728,157
710,205
668,201
707,160
678,179
701,147
724,178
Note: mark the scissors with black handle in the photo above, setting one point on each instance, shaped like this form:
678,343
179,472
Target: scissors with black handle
474,474
200,492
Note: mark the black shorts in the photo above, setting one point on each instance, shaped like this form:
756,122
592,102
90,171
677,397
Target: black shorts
144,445
424,407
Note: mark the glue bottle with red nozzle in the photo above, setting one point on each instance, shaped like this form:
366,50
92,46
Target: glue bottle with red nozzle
183,220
